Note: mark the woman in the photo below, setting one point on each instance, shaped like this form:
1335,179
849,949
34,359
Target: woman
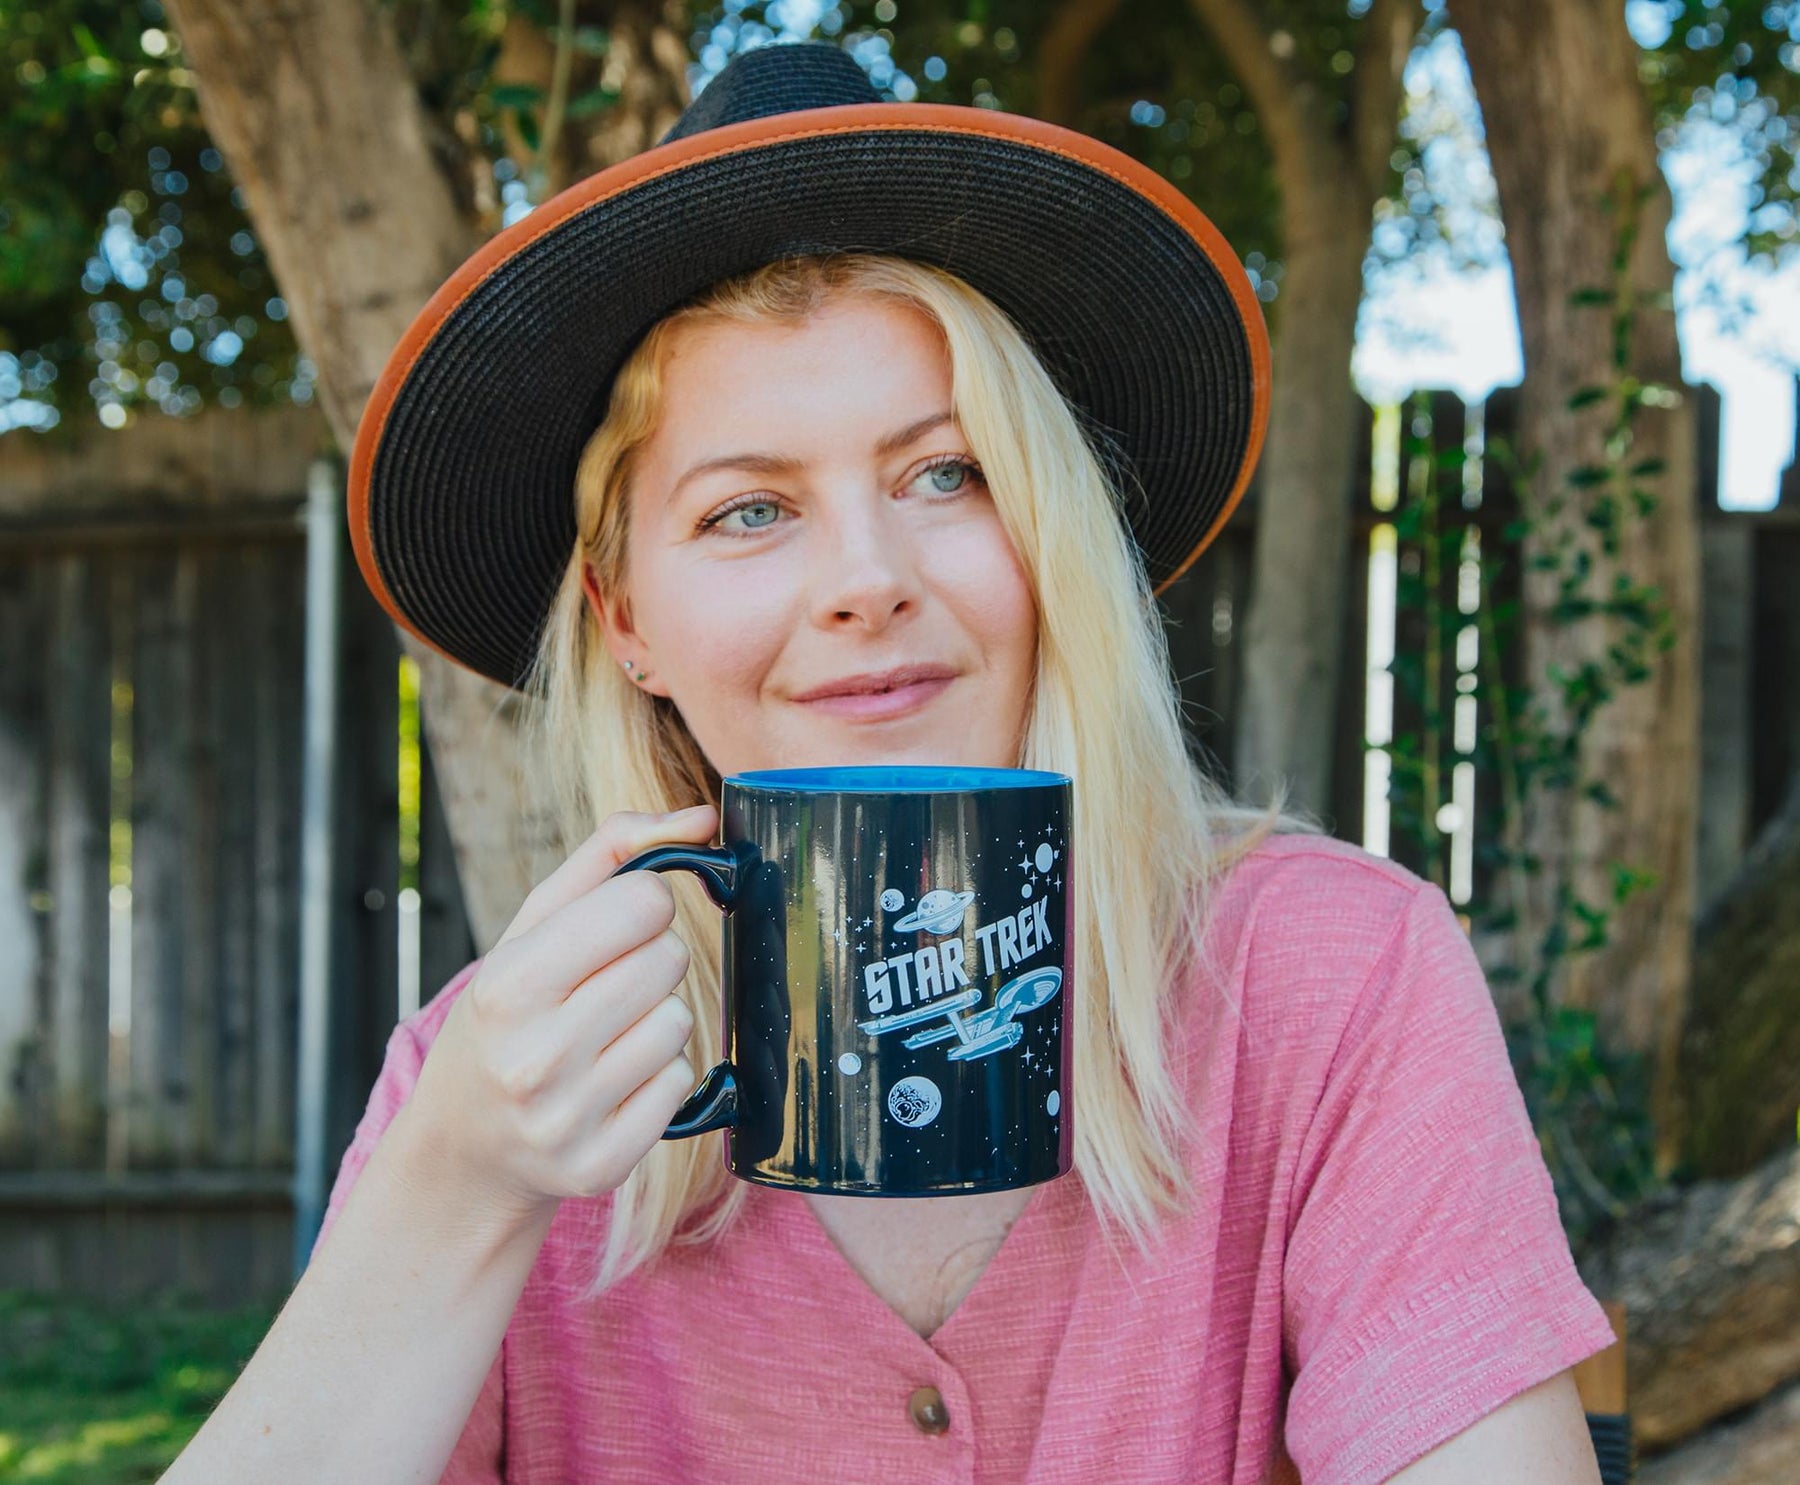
837,509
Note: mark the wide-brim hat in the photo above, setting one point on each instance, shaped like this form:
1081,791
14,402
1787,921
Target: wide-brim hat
461,487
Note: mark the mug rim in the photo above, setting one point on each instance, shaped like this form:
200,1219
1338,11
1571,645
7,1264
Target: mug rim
893,778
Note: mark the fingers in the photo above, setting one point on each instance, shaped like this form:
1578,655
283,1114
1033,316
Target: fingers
603,1005
584,1096
654,1041
620,837
540,970
639,1122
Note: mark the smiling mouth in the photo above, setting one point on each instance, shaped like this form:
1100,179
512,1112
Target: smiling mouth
891,701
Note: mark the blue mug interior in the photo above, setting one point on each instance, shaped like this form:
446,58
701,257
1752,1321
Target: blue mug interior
894,779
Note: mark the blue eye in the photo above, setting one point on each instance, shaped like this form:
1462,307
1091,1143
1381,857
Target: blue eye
958,467
717,519
953,475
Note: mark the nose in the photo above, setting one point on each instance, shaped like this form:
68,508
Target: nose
867,570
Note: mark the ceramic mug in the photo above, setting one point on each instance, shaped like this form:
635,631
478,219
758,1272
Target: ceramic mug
897,973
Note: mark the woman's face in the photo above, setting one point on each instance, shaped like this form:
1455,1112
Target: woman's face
807,518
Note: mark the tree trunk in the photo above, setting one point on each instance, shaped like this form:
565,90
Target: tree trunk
1330,173
1761,1446
1710,1280
1566,123
1740,1057
1287,701
364,207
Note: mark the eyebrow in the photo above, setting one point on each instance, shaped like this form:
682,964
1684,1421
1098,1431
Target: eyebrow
783,464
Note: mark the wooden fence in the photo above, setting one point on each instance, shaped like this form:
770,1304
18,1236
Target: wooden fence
151,667
151,734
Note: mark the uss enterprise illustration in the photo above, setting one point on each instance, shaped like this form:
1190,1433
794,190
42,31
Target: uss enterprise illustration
983,1033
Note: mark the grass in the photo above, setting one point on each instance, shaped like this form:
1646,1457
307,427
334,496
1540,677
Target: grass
94,1394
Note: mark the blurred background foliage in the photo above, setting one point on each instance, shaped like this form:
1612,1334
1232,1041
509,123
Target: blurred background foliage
130,276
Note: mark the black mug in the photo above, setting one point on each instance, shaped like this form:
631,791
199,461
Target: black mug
897,973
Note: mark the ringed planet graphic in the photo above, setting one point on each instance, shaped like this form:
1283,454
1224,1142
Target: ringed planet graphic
938,911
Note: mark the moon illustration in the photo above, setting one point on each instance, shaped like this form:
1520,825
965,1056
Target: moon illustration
937,912
892,900
914,1102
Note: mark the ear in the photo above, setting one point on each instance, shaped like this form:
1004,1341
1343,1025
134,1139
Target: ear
613,614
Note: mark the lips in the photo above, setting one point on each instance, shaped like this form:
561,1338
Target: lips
873,683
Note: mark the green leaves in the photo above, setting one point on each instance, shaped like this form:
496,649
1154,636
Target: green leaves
515,95
586,41
592,101
1628,881
1604,628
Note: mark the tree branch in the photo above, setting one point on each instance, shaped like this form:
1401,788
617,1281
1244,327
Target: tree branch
1387,40
1065,45
1286,102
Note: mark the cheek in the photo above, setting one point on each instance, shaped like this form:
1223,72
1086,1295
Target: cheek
992,594
724,645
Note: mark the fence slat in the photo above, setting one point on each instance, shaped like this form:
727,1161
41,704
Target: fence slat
24,857
78,745
275,686
366,871
232,600
445,943
164,809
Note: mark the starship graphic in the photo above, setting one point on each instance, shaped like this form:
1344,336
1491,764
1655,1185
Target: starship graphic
986,1032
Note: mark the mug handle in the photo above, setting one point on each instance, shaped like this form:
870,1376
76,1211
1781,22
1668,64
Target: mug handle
713,1104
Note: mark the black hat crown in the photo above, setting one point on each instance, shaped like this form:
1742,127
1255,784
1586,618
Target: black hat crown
779,77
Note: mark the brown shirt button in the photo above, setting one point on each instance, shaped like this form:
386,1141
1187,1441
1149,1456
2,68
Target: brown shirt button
928,1411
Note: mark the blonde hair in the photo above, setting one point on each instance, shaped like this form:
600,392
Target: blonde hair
1151,833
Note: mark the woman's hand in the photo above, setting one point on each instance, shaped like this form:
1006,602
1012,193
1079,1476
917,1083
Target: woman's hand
561,1063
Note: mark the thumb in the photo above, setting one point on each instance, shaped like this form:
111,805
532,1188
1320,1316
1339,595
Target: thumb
623,835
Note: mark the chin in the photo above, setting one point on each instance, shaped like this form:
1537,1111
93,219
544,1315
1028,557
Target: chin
853,754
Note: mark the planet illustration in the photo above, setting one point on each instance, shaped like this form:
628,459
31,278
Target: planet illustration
893,900
914,1101
938,911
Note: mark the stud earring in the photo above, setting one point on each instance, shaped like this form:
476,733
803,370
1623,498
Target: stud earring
642,675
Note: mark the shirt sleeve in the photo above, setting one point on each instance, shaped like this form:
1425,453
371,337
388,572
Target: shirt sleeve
479,1456
1427,1278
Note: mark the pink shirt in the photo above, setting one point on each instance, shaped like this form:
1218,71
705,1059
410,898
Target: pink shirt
1376,1264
